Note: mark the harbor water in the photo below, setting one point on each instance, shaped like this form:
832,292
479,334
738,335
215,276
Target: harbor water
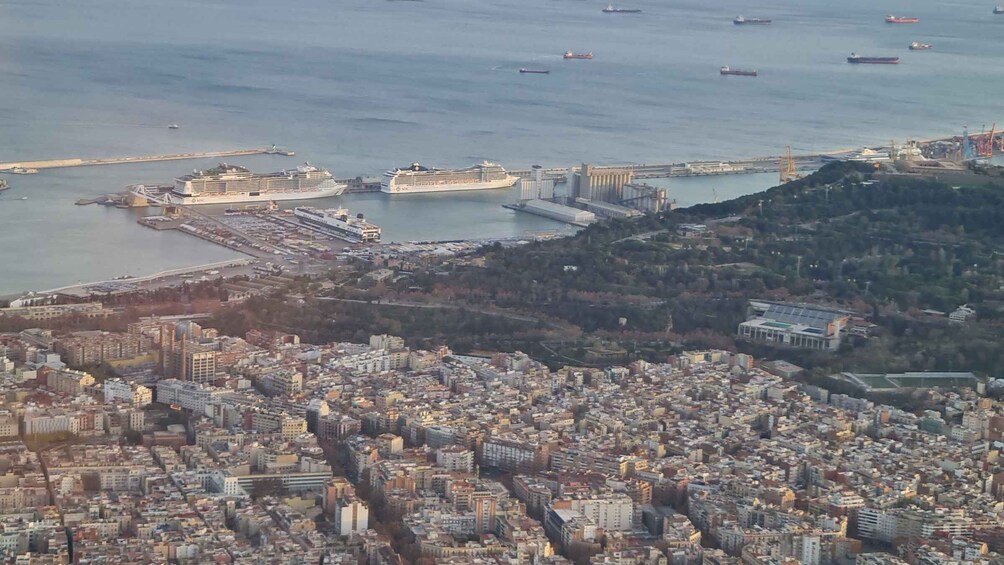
359,86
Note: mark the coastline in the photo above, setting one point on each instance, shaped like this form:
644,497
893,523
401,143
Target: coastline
79,288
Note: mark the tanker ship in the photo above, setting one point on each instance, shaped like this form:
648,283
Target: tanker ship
858,59
750,21
727,70
611,10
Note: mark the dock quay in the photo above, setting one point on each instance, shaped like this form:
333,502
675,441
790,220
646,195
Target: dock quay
691,169
74,162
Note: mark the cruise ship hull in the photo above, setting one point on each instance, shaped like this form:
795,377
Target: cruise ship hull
239,197
390,188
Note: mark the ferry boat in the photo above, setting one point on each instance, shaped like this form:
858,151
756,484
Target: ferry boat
570,55
229,184
999,9
416,179
727,71
917,46
18,170
750,21
535,71
891,19
611,10
858,59
340,222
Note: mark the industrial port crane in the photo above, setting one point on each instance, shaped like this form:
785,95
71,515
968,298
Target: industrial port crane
786,168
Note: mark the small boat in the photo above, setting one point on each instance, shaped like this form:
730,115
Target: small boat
611,10
916,46
21,171
891,19
24,198
728,71
3,185
750,21
535,71
231,211
173,126
999,9
570,55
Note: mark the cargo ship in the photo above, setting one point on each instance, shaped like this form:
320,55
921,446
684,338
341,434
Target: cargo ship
611,10
729,71
416,179
535,71
340,222
570,55
858,59
891,19
917,46
750,21
229,184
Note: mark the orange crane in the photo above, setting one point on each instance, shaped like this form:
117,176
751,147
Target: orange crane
787,168
985,143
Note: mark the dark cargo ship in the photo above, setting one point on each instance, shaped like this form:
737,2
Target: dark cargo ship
611,10
729,71
855,58
750,21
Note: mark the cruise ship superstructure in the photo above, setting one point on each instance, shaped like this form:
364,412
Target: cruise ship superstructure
416,178
339,222
229,184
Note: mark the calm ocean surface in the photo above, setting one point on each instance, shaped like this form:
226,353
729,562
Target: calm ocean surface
359,86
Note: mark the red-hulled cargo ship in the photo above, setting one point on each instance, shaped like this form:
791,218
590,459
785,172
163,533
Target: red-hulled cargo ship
891,19
570,55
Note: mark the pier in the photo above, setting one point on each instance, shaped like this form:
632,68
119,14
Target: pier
74,162
691,169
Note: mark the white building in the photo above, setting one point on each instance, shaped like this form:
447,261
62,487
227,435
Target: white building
188,395
887,525
135,394
386,342
455,458
36,423
351,516
613,512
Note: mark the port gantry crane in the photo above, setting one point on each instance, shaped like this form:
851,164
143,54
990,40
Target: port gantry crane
985,143
786,168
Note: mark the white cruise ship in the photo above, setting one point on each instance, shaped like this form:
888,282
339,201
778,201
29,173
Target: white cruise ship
417,178
229,184
339,221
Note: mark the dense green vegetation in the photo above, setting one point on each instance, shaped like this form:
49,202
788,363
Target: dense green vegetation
886,250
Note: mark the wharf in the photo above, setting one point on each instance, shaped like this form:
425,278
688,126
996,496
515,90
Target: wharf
691,169
75,162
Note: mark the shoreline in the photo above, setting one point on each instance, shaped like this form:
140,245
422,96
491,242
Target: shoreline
69,289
